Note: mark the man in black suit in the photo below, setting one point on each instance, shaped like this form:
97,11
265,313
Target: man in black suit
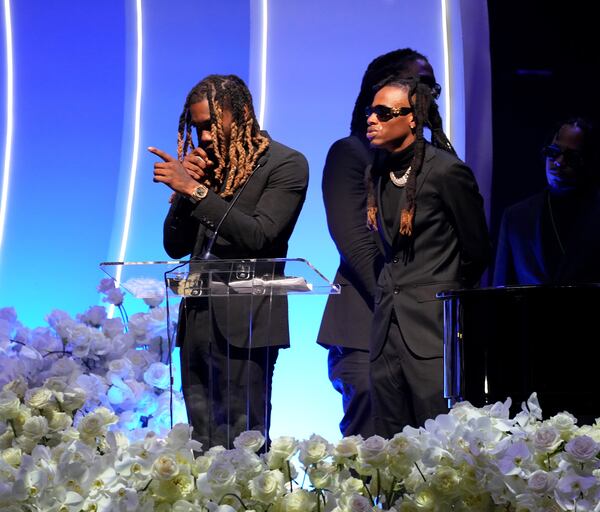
249,188
426,206
346,322
553,237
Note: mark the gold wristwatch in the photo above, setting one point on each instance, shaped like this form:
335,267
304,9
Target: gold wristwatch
198,194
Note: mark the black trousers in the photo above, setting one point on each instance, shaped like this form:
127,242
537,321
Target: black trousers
349,374
226,389
405,389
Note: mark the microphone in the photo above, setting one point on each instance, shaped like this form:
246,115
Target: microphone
207,255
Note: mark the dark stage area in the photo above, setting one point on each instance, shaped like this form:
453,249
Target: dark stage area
543,67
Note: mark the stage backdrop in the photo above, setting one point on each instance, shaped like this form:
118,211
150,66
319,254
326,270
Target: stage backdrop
85,89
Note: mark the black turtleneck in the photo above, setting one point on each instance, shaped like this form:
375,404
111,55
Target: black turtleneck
390,193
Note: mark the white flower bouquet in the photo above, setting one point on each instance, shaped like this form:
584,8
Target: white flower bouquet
85,425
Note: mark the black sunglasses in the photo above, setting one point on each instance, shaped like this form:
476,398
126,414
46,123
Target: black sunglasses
554,151
384,113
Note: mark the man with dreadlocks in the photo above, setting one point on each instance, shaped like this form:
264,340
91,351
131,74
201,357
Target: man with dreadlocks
249,188
347,317
426,206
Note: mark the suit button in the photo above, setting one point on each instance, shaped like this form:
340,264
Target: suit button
396,290
396,259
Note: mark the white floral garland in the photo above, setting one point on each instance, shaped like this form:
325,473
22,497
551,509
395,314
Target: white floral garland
85,425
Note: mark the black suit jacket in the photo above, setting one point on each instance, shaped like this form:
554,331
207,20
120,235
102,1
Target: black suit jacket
449,249
347,317
526,236
258,226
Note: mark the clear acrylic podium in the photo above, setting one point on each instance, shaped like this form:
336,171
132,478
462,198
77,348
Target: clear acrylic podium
233,317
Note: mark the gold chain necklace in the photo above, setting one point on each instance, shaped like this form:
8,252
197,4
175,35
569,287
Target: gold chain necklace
401,181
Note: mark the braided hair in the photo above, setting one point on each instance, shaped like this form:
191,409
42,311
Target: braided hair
425,114
246,143
395,63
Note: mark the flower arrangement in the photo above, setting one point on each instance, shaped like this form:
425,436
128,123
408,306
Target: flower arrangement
85,425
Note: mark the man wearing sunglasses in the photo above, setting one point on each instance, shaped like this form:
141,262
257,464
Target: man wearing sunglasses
237,195
345,327
554,236
426,207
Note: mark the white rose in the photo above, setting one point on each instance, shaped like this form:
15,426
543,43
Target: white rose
56,384
138,325
73,399
314,450
39,398
9,405
121,367
35,427
114,296
93,386
356,503
547,439
541,482
59,421
165,467
284,446
100,344
6,440
352,485
582,448
251,440
267,486
12,456
106,284
564,422
347,447
221,475
202,464
112,327
321,476
121,343
157,375
298,501
18,386
95,424
94,316
373,451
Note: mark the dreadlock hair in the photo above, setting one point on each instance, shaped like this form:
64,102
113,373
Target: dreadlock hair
425,113
246,143
397,63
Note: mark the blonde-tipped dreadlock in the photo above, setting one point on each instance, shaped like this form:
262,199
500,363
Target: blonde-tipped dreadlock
246,143
425,113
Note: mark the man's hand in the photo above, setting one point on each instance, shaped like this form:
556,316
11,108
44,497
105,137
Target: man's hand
172,173
196,163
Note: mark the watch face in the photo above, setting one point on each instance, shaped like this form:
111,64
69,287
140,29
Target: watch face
200,192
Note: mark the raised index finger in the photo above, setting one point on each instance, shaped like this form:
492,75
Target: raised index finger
161,154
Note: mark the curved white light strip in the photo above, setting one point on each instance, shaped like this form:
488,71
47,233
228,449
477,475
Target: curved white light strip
447,77
9,117
136,139
263,62
136,148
